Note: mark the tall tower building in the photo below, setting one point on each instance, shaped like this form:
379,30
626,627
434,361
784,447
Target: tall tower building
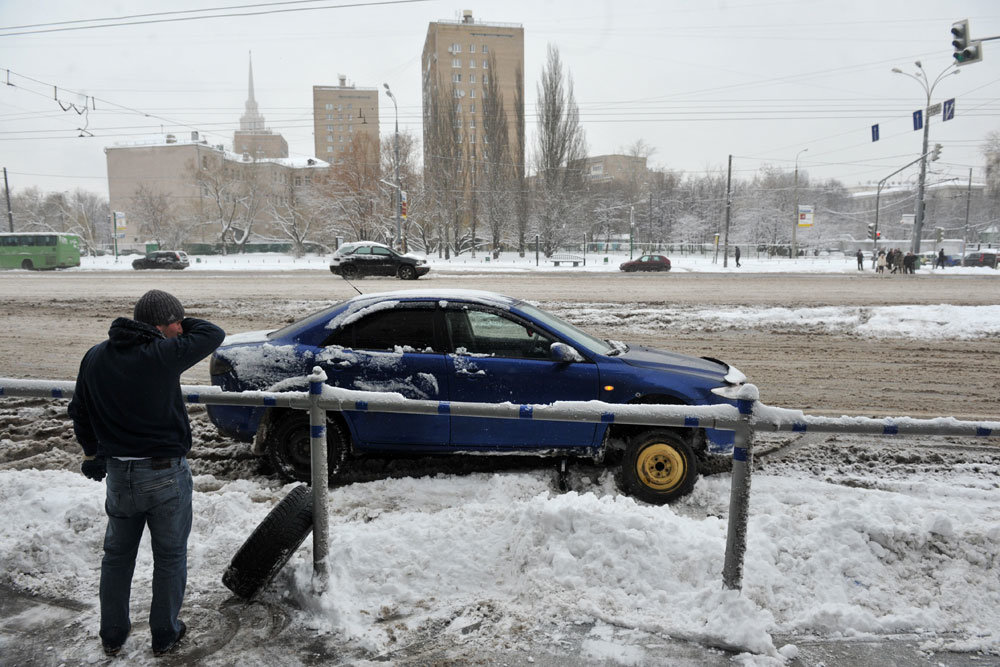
343,115
460,61
253,139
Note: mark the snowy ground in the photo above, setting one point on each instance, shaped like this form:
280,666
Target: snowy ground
851,539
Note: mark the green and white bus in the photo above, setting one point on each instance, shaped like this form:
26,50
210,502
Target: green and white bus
39,250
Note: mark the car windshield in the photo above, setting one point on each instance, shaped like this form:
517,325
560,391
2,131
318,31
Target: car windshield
566,329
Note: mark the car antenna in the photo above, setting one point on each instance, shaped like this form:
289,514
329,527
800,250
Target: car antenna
355,288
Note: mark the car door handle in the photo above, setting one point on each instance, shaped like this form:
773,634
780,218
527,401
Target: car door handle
465,372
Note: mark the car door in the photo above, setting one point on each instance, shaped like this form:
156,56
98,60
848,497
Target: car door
383,261
392,350
494,357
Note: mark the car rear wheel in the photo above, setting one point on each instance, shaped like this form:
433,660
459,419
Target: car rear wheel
289,447
27,264
407,272
348,272
658,467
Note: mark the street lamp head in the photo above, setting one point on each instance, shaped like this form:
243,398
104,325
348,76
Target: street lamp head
386,86
917,63
897,70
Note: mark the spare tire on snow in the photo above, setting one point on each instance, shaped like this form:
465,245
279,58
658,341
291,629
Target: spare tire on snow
271,544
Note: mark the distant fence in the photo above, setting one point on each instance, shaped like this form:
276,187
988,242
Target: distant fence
747,417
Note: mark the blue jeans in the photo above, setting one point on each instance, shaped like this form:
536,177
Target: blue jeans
139,495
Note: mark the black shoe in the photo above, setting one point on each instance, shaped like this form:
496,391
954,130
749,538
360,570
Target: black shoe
115,650
172,645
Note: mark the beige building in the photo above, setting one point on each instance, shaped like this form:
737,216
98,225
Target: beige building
456,60
341,113
612,168
253,139
179,167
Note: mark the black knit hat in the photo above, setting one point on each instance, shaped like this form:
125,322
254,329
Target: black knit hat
158,307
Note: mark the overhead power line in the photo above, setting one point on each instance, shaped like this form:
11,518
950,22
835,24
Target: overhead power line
146,19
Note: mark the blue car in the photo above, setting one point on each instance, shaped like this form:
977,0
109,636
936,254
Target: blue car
471,346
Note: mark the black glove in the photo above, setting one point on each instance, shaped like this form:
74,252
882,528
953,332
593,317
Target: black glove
94,468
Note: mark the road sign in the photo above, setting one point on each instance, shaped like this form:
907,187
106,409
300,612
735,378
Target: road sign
918,120
875,132
949,109
934,109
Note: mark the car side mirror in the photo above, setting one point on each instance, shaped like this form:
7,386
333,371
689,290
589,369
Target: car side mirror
564,353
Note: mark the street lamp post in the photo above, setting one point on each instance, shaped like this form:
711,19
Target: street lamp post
795,221
399,187
925,83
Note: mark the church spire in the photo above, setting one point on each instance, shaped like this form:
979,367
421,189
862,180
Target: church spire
251,120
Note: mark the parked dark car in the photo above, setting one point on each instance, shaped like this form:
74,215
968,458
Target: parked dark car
981,258
647,263
162,259
367,258
463,345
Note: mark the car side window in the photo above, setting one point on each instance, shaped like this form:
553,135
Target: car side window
363,250
483,332
376,250
396,329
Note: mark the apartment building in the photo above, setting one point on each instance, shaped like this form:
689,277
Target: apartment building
341,114
456,63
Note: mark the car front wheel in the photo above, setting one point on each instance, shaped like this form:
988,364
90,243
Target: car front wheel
407,272
348,272
658,467
289,448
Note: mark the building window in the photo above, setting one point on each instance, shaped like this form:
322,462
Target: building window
329,137
329,107
298,180
472,63
329,149
329,116
472,48
350,128
329,128
456,77
485,63
456,62
486,79
472,126
458,107
456,48
472,107
472,93
350,105
485,49
472,78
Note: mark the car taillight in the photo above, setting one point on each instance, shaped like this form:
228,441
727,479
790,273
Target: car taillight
219,366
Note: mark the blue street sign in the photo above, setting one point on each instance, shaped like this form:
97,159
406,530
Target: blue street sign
875,132
949,109
918,119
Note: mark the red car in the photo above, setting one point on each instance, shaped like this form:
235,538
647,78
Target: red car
647,263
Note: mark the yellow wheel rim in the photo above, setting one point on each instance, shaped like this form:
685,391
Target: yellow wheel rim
660,467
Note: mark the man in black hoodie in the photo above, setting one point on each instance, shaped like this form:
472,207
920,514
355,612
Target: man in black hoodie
129,416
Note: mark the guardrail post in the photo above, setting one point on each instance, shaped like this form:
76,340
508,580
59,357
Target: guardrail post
739,492
320,477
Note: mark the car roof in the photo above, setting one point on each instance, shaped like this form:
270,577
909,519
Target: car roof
477,296
355,244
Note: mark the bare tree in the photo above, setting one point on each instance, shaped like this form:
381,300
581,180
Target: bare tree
520,184
497,171
351,194
560,146
152,212
443,168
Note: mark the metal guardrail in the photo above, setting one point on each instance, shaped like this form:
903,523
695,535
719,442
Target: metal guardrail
747,417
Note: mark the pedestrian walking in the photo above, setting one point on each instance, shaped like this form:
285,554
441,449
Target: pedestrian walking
880,267
940,259
861,260
129,416
737,254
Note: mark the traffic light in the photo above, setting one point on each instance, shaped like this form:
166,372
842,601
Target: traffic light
966,50
939,234
936,153
871,231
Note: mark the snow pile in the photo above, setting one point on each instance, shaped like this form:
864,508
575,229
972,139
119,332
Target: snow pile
497,555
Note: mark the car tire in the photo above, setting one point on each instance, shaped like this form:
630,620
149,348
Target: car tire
271,544
658,467
348,271
289,447
407,272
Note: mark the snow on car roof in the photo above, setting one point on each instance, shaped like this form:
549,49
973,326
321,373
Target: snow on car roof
445,294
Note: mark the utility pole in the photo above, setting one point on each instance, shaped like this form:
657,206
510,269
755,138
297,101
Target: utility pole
729,206
10,215
968,201
795,222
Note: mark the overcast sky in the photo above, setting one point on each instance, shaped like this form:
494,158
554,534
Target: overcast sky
763,80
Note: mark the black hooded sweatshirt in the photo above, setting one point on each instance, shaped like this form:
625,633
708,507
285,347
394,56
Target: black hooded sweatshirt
127,400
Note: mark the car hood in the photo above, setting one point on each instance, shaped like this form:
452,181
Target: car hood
647,357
